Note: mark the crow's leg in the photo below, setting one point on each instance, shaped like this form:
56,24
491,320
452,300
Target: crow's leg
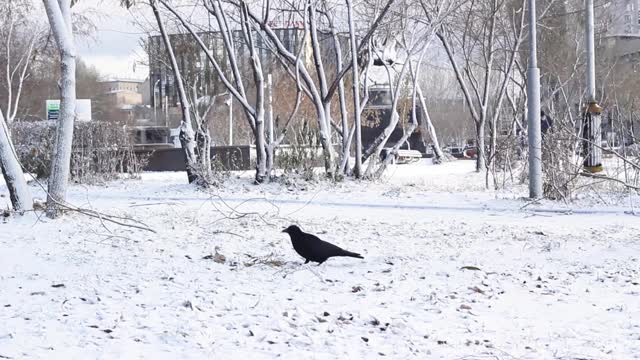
315,273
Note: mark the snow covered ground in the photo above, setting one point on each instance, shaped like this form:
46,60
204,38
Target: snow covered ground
450,272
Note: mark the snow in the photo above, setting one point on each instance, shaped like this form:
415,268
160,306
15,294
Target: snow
543,281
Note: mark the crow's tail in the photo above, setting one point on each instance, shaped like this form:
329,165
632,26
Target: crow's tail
351,254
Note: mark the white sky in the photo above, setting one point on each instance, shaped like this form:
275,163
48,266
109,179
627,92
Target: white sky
115,48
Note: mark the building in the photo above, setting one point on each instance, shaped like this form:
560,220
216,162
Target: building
621,49
624,18
622,33
197,71
121,100
119,92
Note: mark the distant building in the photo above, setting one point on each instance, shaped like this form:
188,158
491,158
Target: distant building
624,18
119,92
622,33
621,47
120,98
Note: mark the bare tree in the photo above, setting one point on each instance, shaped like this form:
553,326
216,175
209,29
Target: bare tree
21,35
261,164
14,29
12,172
482,40
318,88
355,84
187,138
413,35
414,71
255,113
59,14
202,106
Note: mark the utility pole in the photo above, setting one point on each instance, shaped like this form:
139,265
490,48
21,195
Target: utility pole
533,110
592,133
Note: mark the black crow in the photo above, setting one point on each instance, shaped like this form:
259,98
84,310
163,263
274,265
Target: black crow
312,248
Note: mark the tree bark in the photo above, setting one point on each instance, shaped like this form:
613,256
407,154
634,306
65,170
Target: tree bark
19,193
355,83
323,102
59,14
258,77
344,116
480,161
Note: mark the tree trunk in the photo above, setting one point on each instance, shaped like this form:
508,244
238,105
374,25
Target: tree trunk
207,150
355,83
258,78
270,153
327,148
187,139
480,161
394,149
12,172
344,116
427,124
261,154
59,14
324,103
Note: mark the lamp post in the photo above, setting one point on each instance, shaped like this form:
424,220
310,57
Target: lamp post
592,130
533,110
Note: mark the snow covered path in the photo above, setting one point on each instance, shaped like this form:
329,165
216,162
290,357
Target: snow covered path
535,286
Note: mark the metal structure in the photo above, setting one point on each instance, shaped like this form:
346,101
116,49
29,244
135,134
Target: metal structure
592,132
533,110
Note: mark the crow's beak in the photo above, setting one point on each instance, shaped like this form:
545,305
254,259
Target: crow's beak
285,230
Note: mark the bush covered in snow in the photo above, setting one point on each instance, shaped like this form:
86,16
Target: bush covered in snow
101,150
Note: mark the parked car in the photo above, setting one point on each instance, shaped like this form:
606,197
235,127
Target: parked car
455,151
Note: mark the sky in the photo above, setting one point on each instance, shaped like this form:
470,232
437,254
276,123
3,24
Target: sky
115,48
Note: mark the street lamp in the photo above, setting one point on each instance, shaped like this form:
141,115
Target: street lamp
592,130
533,110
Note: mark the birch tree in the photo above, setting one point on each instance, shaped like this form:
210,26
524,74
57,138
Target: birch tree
20,35
255,113
59,15
19,192
355,86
